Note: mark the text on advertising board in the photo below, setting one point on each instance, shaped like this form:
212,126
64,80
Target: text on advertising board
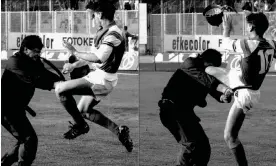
183,44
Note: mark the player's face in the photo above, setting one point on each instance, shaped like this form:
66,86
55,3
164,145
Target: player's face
97,18
248,29
34,54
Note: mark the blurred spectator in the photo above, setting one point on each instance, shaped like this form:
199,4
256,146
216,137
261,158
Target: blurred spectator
74,4
127,6
264,5
136,5
126,35
132,5
68,4
248,6
239,5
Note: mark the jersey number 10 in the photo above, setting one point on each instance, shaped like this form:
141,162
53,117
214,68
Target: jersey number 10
266,59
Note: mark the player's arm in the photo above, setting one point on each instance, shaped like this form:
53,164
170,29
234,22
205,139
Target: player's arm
214,87
232,45
47,80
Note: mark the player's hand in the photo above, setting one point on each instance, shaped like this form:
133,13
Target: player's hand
227,96
71,49
228,92
194,55
225,99
67,68
227,21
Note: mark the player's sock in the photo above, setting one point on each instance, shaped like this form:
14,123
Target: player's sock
8,160
240,155
70,105
100,119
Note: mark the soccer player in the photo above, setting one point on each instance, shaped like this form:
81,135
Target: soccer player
187,88
101,81
23,73
255,56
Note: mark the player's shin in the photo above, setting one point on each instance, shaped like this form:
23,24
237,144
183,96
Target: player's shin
100,119
70,105
239,154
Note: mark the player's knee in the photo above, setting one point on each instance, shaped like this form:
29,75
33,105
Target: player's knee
58,90
230,140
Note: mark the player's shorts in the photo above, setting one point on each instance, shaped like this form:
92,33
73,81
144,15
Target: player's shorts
103,83
246,99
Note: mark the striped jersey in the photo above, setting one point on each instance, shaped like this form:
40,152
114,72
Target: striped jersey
110,46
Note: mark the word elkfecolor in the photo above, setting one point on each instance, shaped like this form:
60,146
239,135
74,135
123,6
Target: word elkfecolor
190,44
47,42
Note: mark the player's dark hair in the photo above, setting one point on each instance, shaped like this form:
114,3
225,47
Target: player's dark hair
106,7
31,42
211,56
259,22
125,28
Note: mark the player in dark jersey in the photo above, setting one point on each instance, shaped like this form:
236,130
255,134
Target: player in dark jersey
255,55
187,88
106,58
23,73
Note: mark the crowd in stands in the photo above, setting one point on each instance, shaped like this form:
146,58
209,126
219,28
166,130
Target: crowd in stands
74,4
130,5
255,5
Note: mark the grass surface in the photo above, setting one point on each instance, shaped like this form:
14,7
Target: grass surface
99,146
159,148
153,144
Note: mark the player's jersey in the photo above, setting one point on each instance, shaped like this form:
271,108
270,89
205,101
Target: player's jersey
110,48
20,78
189,85
255,61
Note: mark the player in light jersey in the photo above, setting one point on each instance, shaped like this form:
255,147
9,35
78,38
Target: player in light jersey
110,48
255,56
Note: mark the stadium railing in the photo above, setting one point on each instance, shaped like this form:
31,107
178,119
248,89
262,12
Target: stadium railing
191,24
75,22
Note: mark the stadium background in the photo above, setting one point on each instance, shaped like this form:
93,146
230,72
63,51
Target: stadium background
54,24
160,24
170,20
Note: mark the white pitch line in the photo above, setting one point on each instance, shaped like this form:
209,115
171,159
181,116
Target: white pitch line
135,74
130,74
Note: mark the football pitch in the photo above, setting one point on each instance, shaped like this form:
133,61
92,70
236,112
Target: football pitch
99,146
159,148
134,103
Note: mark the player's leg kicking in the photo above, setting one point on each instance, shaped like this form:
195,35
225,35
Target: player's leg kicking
86,105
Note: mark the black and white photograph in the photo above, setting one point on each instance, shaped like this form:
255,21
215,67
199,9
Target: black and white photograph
138,82
198,47
69,83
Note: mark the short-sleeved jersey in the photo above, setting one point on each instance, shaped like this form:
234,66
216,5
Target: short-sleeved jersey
255,61
110,48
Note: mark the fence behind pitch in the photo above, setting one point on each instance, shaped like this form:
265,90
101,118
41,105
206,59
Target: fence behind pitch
194,24
65,22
